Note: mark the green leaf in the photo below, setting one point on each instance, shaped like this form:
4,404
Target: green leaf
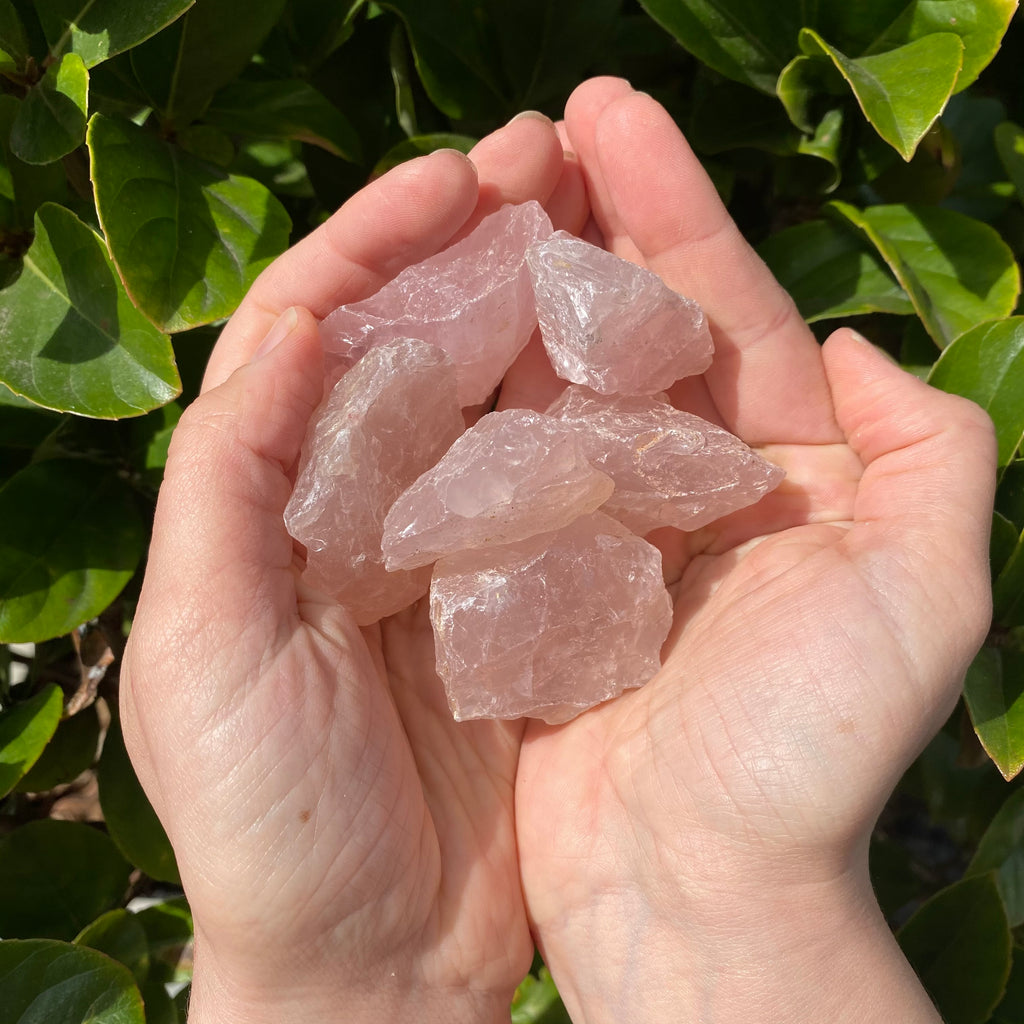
188,239
284,110
13,43
132,822
56,877
25,729
957,271
903,91
420,145
98,29
1008,590
120,935
1002,543
1010,493
58,983
745,40
71,338
315,29
959,944
488,60
51,119
1010,145
26,186
1001,850
987,365
993,691
181,68
71,751
70,539
168,925
536,1001
1011,1009
831,272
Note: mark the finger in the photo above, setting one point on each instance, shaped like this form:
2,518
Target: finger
923,508
219,540
767,379
401,218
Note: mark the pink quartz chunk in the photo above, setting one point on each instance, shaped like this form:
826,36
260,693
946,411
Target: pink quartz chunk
474,300
670,468
550,626
610,324
392,416
512,475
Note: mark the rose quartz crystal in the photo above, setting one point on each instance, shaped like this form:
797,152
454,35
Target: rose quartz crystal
670,468
549,626
512,475
610,324
474,300
388,419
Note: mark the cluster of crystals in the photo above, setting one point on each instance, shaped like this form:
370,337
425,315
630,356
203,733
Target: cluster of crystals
526,528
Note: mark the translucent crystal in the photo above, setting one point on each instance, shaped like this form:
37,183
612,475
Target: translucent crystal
474,300
610,324
670,468
392,416
510,476
549,626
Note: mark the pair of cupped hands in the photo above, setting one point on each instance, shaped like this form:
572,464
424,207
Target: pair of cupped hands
695,850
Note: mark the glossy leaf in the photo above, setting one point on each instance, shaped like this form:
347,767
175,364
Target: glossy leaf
1010,144
902,91
51,118
25,729
987,365
119,934
831,272
420,145
69,753
168,925
181,68
70,338
56,877
994,692
536,1001
492,59
71,538
957,271
959,944
59,983
25,187
98,29
1001,850
132,822
188,240
744,40
284,110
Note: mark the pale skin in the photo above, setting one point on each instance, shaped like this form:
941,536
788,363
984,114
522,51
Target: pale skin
692,851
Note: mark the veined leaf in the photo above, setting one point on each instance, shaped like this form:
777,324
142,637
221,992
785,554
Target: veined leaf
284,110
70,538
98,29
960,945
120,935
70,338
25,186
60,983
987,365
25,729
51,119
925,248
902,91
994,693
188,239
831,272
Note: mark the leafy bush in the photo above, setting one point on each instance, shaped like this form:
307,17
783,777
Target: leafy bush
155,157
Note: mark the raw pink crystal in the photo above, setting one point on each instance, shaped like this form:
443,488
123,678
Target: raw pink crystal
474,300
670,468
549,626
610,324
392,416
510,476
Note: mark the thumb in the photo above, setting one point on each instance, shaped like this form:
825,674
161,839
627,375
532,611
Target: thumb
219,583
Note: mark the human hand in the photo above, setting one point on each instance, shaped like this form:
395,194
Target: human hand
346,848
697,849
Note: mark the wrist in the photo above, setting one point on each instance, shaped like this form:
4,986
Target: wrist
297,994
788,953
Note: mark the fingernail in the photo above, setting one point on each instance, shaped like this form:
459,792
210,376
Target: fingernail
531,115
457,152
283,326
